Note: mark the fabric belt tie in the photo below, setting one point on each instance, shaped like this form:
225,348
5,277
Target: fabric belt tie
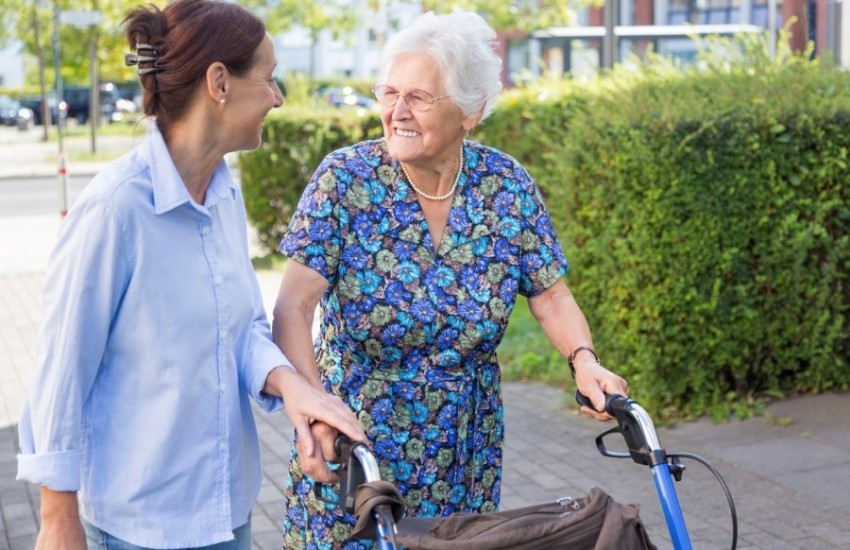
367,497
470,392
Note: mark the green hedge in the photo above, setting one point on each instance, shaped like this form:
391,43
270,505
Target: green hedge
705,216
713,255
294,142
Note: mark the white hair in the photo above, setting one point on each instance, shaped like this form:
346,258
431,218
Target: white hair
462,44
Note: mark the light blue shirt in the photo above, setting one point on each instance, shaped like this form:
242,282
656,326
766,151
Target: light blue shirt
153,340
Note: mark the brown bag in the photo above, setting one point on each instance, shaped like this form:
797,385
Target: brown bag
592,522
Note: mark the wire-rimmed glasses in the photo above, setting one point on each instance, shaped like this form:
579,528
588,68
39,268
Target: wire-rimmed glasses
417,100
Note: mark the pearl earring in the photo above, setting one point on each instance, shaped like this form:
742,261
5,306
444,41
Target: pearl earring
221,100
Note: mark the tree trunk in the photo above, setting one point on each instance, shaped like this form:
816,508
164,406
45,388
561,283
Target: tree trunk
42,80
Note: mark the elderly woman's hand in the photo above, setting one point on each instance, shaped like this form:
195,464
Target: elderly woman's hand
314,462
595,381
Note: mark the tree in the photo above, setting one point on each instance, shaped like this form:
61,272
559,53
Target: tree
525,15
102,45
107,39
10,10
33,27
340,17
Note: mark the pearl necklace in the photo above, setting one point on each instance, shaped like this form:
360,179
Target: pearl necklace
425,195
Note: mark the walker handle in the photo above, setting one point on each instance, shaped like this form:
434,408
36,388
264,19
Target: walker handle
614,403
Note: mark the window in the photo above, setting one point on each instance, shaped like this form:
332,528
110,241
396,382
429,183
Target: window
704,12
517,60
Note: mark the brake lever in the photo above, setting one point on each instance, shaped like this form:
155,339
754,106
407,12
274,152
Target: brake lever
627,426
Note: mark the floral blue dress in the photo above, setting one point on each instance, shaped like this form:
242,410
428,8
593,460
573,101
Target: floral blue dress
408,333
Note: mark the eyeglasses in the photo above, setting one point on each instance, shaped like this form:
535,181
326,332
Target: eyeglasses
417,101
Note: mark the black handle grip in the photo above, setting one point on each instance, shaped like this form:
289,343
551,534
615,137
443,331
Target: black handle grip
350,474
583,400
342,447
614,402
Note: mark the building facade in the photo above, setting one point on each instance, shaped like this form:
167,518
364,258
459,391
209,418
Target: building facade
662,25
666,27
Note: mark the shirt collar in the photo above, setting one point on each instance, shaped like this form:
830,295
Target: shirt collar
169,191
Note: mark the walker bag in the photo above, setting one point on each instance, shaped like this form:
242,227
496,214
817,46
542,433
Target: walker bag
592,522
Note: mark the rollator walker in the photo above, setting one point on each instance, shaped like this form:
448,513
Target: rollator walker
594,521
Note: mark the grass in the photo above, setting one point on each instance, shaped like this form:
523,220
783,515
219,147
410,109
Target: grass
77,140
273,262
526,354
115,129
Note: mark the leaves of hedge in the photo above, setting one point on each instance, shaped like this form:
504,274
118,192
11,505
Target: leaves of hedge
294,143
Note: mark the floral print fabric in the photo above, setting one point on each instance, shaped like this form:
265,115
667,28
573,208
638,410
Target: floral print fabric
408,333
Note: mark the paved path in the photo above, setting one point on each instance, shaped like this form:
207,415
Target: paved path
789,469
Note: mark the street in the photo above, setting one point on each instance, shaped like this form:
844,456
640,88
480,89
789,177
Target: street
31,192
37,196
29,220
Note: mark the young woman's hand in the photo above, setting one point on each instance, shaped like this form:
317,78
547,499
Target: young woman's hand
315,464
61,528
305,404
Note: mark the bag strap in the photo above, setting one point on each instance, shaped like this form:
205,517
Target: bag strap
366,498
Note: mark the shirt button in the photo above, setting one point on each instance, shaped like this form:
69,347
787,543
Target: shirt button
217,280
222,446
222,387
205,230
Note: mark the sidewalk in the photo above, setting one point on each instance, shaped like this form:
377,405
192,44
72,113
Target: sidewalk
788,470
24,154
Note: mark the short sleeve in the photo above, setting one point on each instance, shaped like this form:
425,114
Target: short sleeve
542,261
313,235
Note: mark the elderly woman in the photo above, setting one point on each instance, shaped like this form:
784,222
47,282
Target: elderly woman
138,420
417,245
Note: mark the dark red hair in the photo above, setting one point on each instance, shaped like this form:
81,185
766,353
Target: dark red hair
190,35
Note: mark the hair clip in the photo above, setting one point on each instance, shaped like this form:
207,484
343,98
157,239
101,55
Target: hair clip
134,59
131,59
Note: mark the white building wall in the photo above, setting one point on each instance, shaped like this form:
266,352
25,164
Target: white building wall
356,56
11,66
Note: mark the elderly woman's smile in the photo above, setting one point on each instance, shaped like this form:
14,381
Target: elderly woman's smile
407,133
423,126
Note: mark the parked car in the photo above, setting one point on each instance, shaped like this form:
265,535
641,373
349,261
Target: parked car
345,96
8,111
12,113
129,103
78,99
34,104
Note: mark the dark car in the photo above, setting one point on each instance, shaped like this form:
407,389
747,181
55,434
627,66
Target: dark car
78,99
34,104
8,111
